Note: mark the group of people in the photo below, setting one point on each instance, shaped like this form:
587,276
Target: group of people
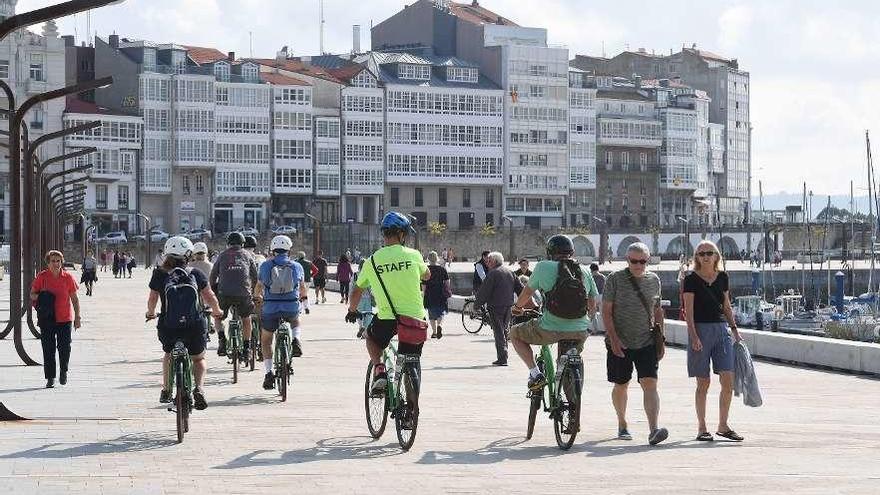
121,262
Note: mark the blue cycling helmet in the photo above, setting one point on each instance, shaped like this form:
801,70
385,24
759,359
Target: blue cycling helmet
394,221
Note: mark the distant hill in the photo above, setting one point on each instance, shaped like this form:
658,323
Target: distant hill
780,200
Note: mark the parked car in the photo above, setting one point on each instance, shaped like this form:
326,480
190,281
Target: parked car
155,236
198,234
249,231
284,230
115,237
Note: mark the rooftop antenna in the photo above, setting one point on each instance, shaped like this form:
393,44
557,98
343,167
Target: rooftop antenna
251,36
89,27
603,49
321,26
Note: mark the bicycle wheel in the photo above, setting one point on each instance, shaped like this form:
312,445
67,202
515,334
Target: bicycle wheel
406,420
181,401
284,375
471,318
235,358
566,417
376,408
534,407
252,358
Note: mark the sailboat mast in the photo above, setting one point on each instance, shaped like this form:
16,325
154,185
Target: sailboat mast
871,212
824,239
765,240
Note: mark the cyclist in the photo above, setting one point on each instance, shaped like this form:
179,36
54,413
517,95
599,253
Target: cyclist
282,284
199,259
177,250
560,302
307,274
234,276
250,243
402,271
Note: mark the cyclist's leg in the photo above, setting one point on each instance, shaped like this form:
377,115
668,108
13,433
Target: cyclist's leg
196,341
522,337
270,324
379,335
245,310
295,332
165,339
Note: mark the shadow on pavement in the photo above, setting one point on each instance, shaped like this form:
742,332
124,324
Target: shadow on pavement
144,361
136,442
245,400
14,390
329,449
458,368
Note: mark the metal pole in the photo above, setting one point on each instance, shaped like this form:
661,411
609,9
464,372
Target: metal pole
148,239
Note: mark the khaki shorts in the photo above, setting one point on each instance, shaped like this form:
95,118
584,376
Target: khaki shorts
531,332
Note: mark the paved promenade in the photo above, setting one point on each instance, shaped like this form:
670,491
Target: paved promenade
105,432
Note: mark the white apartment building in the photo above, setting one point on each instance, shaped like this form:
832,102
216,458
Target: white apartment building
112,191
445,139
582,147
31,64
363,142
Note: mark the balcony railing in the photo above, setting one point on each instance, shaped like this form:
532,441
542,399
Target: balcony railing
193,70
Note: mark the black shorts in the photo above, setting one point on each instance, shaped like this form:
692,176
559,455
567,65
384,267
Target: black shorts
244,305
195,339
320,282
620,368
382,331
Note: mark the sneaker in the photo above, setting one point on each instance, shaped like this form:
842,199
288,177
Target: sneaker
296,348
623,434
499,363
537,382
164,397
307,310
380,382
657,436
439,332
324,300
50,383
269,381
221,347
199,400
63,379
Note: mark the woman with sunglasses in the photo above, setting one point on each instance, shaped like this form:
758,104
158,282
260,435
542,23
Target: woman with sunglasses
708,313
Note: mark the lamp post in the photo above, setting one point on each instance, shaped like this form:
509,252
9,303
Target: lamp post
510,238
316,235
687,235
414,221
603,239
148,239
83,231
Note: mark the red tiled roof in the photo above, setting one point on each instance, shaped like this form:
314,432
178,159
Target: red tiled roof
281,80
298,67
476,14
707,55
202,55
75,105
348,72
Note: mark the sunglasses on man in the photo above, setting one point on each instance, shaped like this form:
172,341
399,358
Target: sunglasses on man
637,262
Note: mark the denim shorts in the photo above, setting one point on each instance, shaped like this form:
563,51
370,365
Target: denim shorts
436,312
271,321
717,348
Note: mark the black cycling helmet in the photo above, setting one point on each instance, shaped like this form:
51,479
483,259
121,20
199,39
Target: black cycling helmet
559,245
250,242
234,239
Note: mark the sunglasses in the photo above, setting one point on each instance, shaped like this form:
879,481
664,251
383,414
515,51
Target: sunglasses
637,262
706,253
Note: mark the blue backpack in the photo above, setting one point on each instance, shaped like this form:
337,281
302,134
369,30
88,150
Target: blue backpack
181,309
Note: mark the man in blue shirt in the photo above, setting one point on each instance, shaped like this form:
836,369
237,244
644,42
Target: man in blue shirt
282,283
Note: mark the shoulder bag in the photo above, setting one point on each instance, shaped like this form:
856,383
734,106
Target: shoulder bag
656,327
409,330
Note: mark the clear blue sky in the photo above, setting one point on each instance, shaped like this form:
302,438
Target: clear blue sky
813,64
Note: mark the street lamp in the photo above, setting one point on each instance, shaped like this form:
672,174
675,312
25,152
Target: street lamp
148,239
510,239
687,235
603,239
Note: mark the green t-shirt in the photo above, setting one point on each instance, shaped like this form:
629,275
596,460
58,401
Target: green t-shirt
544,278
401,269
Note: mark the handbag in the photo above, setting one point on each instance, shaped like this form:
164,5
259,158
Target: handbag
410,330
656,327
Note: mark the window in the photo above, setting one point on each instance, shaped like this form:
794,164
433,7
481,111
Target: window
249,72
149,59
4,69
327,128
37,116
462,74
490,198
413,71
395,197
441,197
643,162
441,218
185,186
419,197
490,219
609,160
122,196
200,184
292,96
624,161
36,72
536,91
100,196
286,149
221,71
466,198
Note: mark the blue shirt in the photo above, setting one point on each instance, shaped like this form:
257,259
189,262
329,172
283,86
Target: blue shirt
280,303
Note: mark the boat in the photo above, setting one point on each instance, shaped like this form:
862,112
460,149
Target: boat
746,311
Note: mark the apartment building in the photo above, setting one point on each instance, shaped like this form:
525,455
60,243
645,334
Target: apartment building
445,142
112,191
535,78
582,148
31,64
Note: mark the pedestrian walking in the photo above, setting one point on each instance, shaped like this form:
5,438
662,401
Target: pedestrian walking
131,264
437,293
481,269
497,292
599,280
53,292
444,255
343,276
89,272
307,274
115,266
319,274
103,260
631,306
709,314
523,268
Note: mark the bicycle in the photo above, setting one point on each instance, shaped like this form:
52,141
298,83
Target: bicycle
473,317
256,351
180,379
561,397
235,346
400,397
283,359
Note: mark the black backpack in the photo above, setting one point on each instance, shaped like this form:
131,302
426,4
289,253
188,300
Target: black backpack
568,298
181,309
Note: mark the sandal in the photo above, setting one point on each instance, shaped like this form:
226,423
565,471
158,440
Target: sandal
730,435
705,436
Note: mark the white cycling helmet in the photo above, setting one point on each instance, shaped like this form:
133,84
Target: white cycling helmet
178,246
200,247
281,242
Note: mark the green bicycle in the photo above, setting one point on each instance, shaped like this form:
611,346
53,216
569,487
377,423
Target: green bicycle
561,397
283,362
256,352
235,347
181,381
400,397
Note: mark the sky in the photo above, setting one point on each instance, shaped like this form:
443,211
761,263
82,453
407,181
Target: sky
815,79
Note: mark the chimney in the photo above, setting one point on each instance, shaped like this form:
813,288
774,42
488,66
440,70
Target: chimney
68,40
230,56
113,39
475,3
281,56
356,38
637,80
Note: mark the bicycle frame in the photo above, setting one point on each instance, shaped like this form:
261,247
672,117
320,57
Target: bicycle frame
282,340
236,339
179,353
389,358
549,374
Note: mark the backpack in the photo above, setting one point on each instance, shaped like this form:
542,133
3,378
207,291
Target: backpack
281,279
568,298
181,309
